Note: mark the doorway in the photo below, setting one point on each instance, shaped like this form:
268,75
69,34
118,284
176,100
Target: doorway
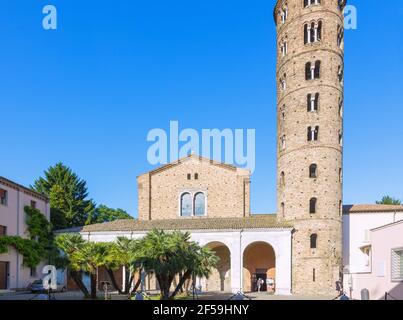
260,274
4,272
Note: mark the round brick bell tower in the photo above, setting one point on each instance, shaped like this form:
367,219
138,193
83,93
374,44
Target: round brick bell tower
310,130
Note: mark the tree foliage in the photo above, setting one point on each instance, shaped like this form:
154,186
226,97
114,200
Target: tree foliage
165,254
106,214
68,196
168,255
389,200
36,247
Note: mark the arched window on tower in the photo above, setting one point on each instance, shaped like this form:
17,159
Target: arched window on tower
308,3
313,133
312,32
282,179
341,107
283,142
186,205
312,71
313,240
284,48
340,74
284,14
340,36
283,83
313,171
199,204
312,205
340,208
340,138
312,102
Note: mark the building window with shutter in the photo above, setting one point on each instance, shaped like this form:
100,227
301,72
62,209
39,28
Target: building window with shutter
3,197
3,231
397,264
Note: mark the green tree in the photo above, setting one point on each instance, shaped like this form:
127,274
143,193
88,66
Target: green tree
121,253
169,255
69,244
68,196
88,258
389,200
106,214
37,247
198,262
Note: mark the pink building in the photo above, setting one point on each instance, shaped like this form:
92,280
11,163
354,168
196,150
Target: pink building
373,250
386,263
13,199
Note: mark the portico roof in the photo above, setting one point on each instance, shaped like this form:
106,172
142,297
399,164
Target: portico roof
253,222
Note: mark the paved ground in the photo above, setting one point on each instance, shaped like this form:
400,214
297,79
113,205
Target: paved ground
77,295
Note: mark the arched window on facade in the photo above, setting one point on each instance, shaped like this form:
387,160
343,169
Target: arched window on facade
313,171
312,205
199,204
313,240
186,205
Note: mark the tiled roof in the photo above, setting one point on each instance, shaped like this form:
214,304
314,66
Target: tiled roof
18,186
256,222
362,208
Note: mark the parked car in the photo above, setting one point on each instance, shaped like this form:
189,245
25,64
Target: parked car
37,286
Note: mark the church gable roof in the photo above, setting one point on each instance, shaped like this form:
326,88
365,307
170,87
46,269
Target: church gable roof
199,159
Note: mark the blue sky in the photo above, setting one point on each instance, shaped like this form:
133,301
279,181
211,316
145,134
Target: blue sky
88,93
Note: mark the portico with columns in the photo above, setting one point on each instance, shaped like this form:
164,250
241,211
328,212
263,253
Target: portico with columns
233,275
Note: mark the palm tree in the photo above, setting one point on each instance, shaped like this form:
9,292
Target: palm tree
199,262
90,256
120,253
69,244
169,254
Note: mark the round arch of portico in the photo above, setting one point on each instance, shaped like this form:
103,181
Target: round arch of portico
254,238
220,278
